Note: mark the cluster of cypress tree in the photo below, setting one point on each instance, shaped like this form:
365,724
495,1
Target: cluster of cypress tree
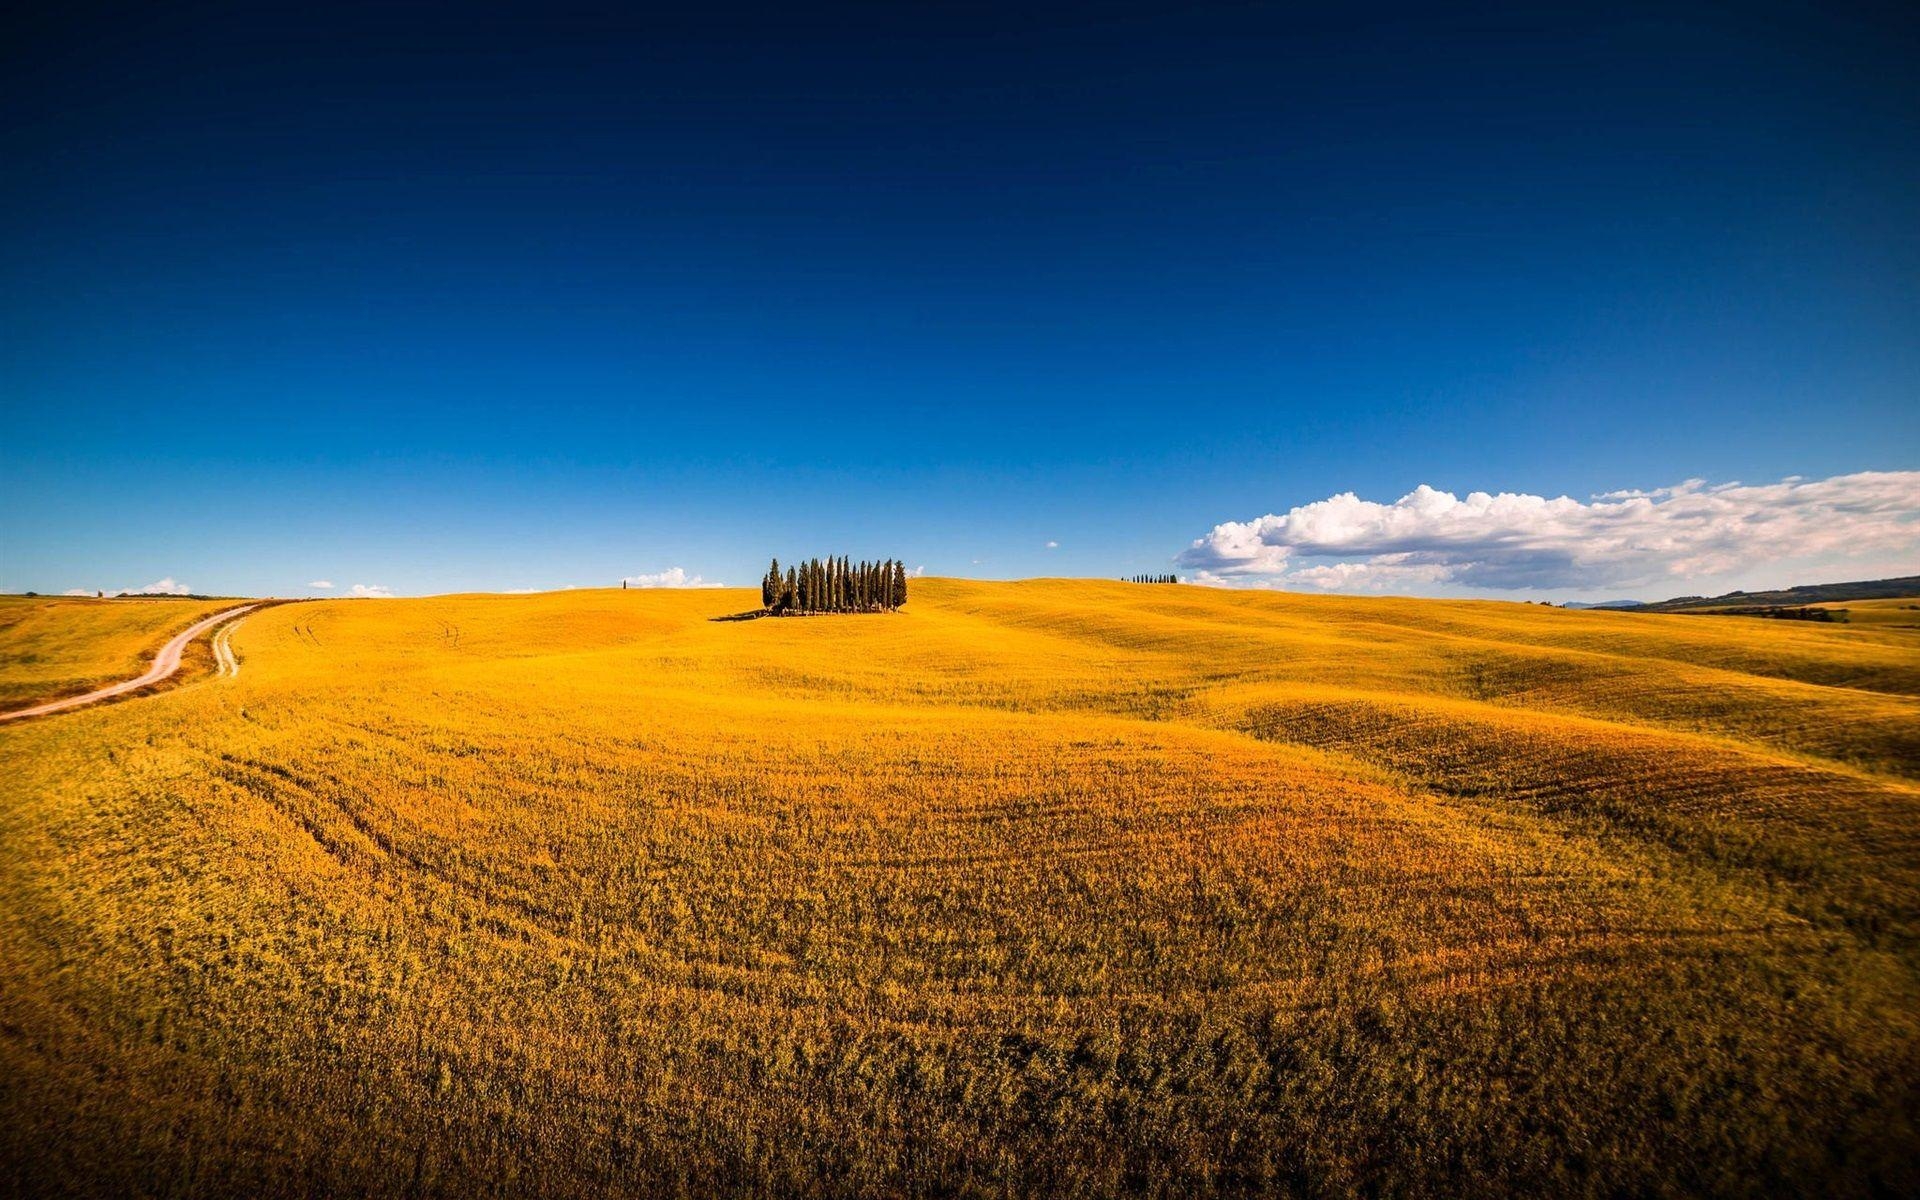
1150,579
834,585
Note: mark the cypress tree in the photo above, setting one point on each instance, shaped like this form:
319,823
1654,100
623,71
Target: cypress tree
837,584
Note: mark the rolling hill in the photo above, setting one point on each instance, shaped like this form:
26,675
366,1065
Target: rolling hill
1032,888
1812,593
54,647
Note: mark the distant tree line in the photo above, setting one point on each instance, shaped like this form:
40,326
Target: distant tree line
1779,612
1150,579
834,585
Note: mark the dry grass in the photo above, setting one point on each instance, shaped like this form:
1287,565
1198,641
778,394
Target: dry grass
1902,613
53,647
1032,888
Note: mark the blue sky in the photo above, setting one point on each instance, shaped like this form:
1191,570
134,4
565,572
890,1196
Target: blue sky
493,298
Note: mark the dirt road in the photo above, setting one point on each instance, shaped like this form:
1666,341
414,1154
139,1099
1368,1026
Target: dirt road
223,655
165,664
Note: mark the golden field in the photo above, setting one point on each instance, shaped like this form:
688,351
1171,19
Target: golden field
1056,887
1903,613
55,647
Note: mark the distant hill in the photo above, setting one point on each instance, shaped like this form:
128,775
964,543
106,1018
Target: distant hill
1604,604
1814,593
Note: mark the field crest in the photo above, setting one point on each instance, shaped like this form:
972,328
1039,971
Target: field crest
1047,886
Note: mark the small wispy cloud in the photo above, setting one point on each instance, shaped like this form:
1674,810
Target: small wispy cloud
159,587
1053,545
672,577
79,592
370,591
321,583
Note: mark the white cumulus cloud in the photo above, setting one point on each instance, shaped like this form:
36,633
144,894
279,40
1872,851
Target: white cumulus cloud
917,572
1053,545
321,583
159,587
370,591
78,592
1658,539
672,577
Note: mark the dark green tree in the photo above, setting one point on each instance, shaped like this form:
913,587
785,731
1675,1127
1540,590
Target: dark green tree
835,584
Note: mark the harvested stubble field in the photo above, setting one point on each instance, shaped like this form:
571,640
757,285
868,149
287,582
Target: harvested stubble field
1038,888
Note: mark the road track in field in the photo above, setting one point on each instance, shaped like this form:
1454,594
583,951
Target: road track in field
223,656
165,664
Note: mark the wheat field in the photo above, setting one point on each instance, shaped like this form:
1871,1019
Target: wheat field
1053,887
50,648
